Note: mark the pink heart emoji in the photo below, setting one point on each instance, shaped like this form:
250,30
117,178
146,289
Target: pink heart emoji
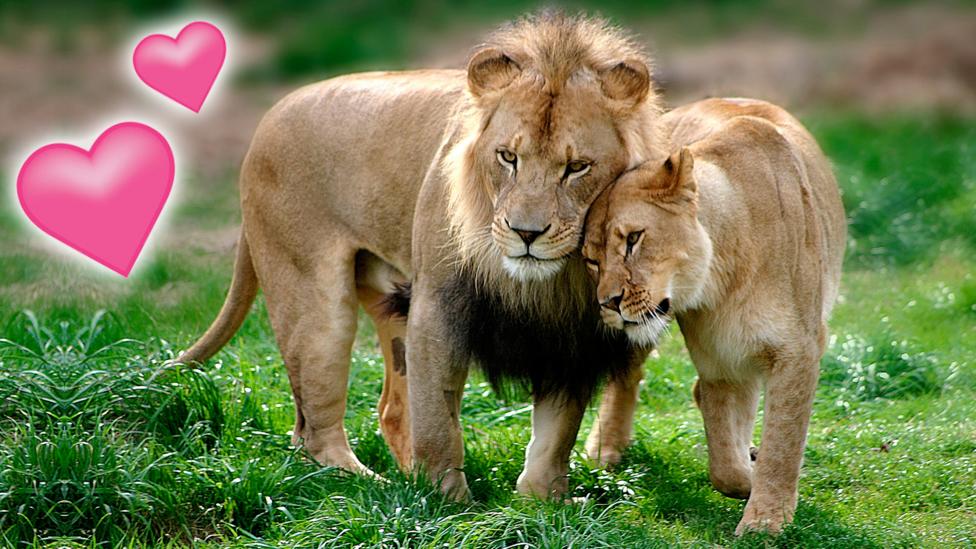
183,69
105,202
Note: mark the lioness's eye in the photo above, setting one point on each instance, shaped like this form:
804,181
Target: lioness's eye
576,167
506,156
632,240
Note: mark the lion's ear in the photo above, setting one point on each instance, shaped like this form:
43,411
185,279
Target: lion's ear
490,70
628,82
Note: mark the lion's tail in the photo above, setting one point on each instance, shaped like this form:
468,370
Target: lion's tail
243,289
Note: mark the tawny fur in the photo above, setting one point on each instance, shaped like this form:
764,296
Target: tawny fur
743,232
364,181
558,84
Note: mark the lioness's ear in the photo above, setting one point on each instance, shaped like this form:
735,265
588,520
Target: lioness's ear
628,81
682,165
673,181
490,70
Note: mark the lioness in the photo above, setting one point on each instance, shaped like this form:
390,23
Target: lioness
473,185
740,237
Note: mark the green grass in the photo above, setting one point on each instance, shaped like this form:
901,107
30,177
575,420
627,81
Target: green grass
102,443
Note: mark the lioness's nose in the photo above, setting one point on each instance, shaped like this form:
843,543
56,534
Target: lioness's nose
528,235
613,303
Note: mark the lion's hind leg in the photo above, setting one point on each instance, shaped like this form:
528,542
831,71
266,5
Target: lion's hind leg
555,424
614,424
313,309
729,411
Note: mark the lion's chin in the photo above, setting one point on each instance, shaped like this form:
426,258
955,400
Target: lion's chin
526,269
647,333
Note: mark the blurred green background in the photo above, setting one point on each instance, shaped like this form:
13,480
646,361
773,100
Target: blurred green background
103,445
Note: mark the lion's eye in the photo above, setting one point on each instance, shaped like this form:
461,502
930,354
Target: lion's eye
507,157
632,240
576,167
593,266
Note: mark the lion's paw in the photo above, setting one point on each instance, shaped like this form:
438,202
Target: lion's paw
771,519
603,456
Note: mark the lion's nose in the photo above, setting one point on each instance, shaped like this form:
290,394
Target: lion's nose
528,235
613,303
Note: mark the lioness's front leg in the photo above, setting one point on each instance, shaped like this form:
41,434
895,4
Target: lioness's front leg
790,387
436,371
555,424
729,412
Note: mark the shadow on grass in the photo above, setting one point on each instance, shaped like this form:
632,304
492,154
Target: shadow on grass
673,487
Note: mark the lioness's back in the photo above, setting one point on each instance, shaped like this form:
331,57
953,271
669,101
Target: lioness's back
781,173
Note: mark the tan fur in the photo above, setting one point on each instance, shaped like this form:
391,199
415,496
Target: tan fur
356,183
743,232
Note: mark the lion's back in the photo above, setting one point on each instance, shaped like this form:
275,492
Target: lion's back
348,156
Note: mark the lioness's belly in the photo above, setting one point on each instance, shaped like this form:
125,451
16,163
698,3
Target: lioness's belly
342,161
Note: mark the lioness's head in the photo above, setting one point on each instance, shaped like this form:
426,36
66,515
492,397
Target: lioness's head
646,249
558,108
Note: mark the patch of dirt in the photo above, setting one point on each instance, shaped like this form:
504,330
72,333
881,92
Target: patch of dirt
221,241
918,58
46,93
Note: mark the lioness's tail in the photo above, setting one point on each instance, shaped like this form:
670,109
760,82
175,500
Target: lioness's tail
243,289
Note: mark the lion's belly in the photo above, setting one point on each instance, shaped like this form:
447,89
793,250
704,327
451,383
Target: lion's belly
343,160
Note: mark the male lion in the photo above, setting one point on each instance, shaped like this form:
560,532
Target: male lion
471,184
740,237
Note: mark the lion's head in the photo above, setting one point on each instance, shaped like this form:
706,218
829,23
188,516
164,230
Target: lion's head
558,107
646,248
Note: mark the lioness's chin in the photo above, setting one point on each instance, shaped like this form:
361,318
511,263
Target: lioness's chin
646,333
527,268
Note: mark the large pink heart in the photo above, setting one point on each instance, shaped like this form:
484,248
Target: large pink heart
105,202
183,69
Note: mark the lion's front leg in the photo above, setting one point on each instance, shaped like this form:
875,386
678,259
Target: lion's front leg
555,424
436,372
614,424
790,387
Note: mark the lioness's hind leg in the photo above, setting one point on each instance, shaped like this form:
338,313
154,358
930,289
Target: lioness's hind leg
729,413
394,411
313,307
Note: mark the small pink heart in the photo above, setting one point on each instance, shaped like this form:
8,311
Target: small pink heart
183,69
102,203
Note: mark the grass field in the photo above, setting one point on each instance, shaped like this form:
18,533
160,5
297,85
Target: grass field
100,444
